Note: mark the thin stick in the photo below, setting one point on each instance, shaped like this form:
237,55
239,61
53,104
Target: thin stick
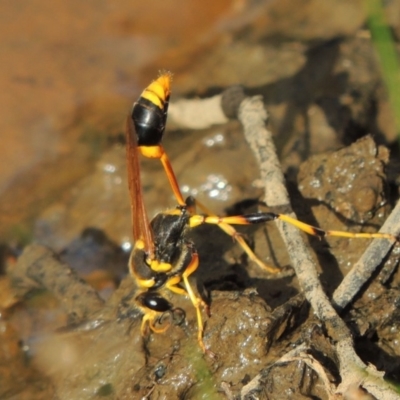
253,116
367,264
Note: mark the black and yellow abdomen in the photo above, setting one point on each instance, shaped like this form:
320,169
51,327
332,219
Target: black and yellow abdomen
149,113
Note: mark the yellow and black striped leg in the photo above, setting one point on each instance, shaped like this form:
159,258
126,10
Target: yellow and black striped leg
258,218
196,301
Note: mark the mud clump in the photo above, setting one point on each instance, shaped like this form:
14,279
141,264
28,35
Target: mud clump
351,181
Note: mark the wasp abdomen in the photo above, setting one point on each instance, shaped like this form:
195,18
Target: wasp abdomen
149,113
149,122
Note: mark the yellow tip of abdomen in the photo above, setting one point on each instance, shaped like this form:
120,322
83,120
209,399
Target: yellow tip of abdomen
158,90
165,78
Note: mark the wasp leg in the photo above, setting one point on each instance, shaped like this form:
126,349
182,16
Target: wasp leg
231,231
196,301
257,218
149,319
158,152
153,305
172,178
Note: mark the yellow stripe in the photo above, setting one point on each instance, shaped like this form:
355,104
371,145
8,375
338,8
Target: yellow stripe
157,266
173,211
158,90
139,245
145,283
311,230
151,151
196,220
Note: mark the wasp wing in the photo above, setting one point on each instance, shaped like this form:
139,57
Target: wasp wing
140,222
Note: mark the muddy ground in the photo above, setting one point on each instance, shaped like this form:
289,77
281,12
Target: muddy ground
255,318
68,327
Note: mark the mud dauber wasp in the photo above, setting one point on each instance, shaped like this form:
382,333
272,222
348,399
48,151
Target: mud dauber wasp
163,256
